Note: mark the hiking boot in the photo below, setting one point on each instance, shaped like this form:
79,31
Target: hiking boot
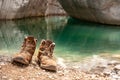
27,51
45,55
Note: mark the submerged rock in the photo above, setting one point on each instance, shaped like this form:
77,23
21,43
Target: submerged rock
102,11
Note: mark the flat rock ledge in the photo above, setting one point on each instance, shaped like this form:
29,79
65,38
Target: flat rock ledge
95,68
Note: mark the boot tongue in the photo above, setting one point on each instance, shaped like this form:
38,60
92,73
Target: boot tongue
30,41
48,42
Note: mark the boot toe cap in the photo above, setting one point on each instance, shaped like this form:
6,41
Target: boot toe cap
20,60
49,67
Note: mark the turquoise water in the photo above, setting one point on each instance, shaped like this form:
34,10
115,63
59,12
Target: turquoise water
74,39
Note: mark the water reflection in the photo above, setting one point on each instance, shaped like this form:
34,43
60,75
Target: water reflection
12,33
74,39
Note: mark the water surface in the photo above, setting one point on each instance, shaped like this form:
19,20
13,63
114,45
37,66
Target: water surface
74,39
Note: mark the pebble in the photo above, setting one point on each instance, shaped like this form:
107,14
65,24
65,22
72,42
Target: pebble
116,77
77,78
60,73
0,67
33,79
113,62
93,76
2,63
21,78
37,68
118,73
43,70
21,70
107,72
117,67
4,77
39,73
51,77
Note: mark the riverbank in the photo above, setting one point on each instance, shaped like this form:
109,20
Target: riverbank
93,68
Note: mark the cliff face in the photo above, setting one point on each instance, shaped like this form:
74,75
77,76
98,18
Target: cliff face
54,8
11,9
103,11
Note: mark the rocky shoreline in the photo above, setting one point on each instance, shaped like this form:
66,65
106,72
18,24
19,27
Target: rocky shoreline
94,68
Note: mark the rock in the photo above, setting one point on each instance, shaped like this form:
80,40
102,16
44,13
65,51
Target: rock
12,9
93,76
113,62
54,8
4,59
107,72
21,78
4,78
39,73
115,77
102,11
51,77
118,73
116,56
60,73
2,63
117,67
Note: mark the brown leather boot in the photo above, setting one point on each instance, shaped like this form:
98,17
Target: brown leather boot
45,55
27,51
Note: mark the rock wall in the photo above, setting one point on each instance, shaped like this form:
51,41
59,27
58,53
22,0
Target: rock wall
54,8
102,11
12,9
